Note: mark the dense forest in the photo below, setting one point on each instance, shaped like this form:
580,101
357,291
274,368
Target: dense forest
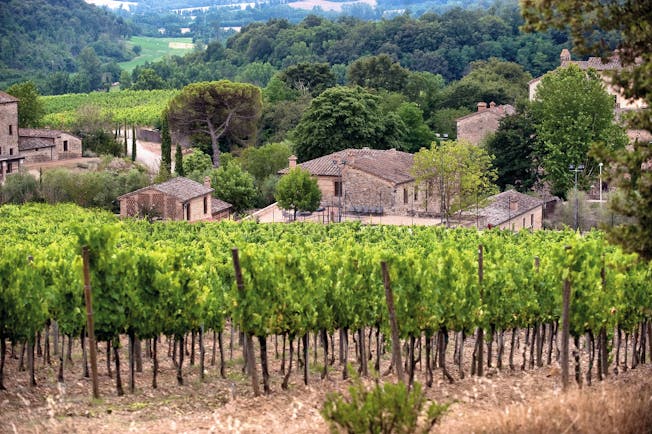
50,35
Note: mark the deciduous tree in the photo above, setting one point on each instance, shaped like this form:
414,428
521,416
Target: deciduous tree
345,117
457,172
30,107
572,111
235,186
298,191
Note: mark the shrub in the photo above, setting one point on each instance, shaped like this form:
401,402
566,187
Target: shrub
387,408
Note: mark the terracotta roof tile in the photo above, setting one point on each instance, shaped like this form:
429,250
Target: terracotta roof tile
391,165
499,111
181,188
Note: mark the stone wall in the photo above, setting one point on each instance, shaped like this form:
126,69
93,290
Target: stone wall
9,123
157,205
148,135
68,146
38,155
475,127
363,192
532,219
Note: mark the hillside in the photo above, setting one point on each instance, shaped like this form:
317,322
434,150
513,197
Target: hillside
47,36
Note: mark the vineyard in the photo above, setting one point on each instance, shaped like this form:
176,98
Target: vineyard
140,107
450,288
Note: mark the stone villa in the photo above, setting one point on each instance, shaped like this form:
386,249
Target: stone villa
368,181
474,127
29,145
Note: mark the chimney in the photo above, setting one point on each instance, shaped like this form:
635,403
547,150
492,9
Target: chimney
513,204
207,181
292,161
564,56
492,104
482,106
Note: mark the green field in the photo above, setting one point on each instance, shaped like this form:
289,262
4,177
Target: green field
154,49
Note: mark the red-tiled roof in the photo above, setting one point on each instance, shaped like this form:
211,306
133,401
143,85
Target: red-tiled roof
181,188
391,165
6,98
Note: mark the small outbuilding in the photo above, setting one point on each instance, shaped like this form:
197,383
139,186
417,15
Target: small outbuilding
511,210
177,199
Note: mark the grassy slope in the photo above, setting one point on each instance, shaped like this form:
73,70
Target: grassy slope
154,49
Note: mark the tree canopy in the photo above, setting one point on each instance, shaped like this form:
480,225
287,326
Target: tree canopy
342,118
234,185
221,110
458,173
298,191
572,111
30,107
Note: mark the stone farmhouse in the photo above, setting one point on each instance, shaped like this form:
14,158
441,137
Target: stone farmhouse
474,127
510,210
29,145
368,181
177,199
612,64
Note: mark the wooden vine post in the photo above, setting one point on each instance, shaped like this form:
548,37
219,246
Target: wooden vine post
565,331
249,343
396,343
480,338
90,325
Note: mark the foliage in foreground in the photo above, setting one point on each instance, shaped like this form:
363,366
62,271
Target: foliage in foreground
387,408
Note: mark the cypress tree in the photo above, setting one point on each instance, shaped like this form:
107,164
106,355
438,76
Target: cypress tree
178,162
166,144
133,143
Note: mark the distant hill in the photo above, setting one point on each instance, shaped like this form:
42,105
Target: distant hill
46,36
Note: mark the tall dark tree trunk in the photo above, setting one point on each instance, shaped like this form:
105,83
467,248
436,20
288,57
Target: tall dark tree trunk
202,353
443,342
116,358
3,352
154,363
324,339
46,344
108,359
31,362
306,344
61,361
82,340
69,352
286,379
262,340
180,364
428,353
222,363
132,363
362,369
345,360
138,353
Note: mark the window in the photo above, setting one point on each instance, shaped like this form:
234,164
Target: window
523,222
416,193
405,196
188,212
11,151
65,146
11,130
337,188
205,205
532,220
9,167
